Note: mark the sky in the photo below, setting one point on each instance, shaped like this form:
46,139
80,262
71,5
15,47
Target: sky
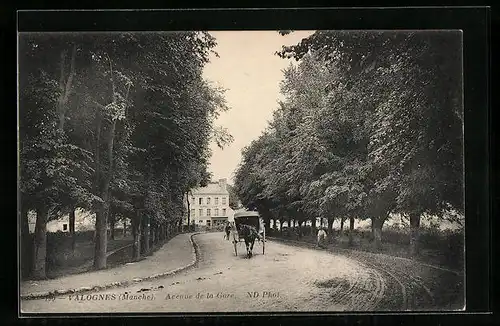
250,72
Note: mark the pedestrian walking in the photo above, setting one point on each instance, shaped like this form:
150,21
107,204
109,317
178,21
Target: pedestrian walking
321,237
227,230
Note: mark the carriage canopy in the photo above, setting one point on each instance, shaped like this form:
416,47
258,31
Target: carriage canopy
248,218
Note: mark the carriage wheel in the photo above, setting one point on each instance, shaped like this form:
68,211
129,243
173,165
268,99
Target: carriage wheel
264,242
235,249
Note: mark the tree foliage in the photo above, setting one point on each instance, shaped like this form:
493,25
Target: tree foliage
371,125
119,121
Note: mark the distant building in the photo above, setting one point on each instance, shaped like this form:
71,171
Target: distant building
84,221
209,206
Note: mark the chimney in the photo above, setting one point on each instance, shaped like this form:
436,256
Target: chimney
222,183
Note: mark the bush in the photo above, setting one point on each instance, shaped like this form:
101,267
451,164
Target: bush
395,236
307,230
59,251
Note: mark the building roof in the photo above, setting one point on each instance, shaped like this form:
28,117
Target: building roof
211,188
245,213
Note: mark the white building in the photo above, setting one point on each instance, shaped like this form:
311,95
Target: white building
209,205
84,221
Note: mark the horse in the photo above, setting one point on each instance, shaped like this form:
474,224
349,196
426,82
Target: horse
249,234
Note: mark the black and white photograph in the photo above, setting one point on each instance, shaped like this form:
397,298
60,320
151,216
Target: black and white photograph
247,171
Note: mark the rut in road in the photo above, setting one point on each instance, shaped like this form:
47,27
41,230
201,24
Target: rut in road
409,285
418,287
362,293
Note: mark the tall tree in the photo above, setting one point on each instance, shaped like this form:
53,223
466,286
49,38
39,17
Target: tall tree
410,82
129,109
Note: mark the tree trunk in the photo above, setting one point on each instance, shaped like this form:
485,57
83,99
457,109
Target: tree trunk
188,209
141,233
97,155
65,86
97,181
152,233
313,226
101,241
414,234
25,226
40,244
72,228
267,225
112,223
124,227
351,230
146,228
377,224
136,232
26,244
330,226
102,214
342,220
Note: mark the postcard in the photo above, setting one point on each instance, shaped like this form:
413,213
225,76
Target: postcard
241,171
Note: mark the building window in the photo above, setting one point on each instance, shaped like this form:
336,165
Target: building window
193,200
223,212
192,213
216,200
223,200
208,212
216,212
208,222
200,200
65,227
201,212
208,200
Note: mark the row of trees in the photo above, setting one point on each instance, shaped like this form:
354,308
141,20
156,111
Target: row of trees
115,123
370,126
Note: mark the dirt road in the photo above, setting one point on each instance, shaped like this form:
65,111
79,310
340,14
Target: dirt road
286,278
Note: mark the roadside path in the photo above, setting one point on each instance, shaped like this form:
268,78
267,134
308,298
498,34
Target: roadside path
177,254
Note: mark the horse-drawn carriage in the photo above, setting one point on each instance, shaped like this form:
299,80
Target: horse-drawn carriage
248,227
